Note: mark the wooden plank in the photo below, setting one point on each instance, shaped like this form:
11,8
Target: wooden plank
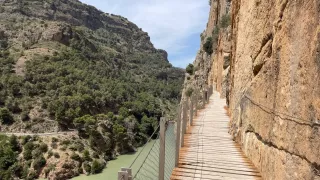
209,151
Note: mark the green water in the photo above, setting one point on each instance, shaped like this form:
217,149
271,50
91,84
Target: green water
111,171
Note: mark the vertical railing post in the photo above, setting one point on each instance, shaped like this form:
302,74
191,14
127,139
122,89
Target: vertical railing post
207,94
184,122
178,138
196,103
123,175
204,99
129,172
191,109
187,108
162,148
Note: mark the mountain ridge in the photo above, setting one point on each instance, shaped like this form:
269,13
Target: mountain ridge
65,65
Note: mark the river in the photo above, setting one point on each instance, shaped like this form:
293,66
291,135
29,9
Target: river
111,171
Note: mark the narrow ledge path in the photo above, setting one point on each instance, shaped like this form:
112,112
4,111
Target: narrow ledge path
209,152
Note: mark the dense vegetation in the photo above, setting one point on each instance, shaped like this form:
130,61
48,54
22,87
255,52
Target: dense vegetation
101,77
207,47
190,69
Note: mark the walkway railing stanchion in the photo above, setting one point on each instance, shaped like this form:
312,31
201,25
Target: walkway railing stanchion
187,108
184,122
191,109
129,172
208,94
178,140
162,155
204,99
196,104
123,175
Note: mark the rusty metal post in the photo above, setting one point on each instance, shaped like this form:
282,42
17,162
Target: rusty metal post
178,137
162,154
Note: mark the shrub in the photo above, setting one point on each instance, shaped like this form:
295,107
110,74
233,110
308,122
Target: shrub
6,116
56,155
38,163
25,116
27,154
32,175
76,157
36,153
189,92
207,47
49,169
14,143
225,21
87,167
86,155
65,142
63,148
190,69
28,146
54,139
96,167
50,154
43,147
95,155
17,169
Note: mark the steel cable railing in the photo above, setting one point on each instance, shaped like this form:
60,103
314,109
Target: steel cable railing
150,166
158,158
170,149
149,169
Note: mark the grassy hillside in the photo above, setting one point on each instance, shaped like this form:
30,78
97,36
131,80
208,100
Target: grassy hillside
67,66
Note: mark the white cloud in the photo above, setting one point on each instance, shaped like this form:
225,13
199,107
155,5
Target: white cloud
169,22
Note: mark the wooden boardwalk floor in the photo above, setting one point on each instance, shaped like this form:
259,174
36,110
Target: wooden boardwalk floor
209,152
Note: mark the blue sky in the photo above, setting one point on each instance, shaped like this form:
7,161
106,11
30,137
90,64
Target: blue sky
173,25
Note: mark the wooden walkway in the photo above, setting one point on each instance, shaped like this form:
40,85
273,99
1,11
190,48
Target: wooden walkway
209,152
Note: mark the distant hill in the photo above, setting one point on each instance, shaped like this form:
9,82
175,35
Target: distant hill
67,66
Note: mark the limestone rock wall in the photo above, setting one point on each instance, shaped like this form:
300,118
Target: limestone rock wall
267,65
275,86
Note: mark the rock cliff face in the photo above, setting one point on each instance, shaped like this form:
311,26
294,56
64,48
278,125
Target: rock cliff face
272,84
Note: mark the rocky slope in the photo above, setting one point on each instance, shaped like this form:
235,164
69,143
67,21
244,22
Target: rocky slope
66,66
266,63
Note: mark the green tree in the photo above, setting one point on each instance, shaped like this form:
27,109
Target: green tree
7,157
86,155
190,69
43,147
13,141
225,21
38,163
207,47
96,167
6,116
189,92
